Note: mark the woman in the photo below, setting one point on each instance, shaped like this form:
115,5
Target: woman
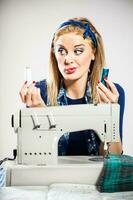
76,62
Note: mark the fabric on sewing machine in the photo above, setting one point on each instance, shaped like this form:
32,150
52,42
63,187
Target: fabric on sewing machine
117,174
83,192
2,177
24,193
59,191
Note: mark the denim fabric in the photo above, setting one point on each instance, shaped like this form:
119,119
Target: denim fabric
2,176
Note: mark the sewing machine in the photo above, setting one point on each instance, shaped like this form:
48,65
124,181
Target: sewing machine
38,132
39,129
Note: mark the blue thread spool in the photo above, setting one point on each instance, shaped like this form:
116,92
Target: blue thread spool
105,73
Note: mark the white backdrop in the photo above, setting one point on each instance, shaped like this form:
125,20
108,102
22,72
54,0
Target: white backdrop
26,29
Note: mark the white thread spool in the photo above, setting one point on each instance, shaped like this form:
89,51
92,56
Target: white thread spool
28,75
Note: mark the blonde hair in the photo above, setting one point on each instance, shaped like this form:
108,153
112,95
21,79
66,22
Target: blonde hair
96,66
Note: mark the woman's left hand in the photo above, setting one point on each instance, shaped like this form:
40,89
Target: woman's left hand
107,94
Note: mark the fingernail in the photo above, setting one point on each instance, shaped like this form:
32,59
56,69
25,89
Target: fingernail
105,78
25,82
98,82
33,81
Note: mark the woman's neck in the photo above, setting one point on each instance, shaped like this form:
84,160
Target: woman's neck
75,89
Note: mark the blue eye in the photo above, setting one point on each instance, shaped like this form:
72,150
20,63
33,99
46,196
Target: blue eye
78,51
62,51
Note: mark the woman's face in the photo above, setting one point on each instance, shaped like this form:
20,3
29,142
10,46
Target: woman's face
73,54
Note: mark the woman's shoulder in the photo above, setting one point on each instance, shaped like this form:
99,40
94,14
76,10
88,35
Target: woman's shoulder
121,92
119,88
42,85
121,100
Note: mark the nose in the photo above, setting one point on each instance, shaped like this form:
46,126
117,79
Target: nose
68,59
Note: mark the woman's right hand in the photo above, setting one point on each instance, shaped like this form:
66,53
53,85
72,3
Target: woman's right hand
30,95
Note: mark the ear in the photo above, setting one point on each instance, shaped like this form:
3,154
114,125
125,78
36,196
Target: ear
93,57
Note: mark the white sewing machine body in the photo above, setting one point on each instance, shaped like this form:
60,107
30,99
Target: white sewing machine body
39,129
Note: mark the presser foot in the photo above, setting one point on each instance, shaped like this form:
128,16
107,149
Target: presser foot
107,152
97,158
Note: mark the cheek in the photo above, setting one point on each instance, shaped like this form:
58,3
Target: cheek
85,61
59,60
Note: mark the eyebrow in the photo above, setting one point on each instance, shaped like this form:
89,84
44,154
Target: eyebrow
78,45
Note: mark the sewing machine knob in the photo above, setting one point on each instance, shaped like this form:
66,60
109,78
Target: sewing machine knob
15,121
12,121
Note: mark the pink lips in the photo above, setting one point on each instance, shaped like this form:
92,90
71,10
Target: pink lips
70,70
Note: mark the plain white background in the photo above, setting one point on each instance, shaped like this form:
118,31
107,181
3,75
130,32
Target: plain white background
26,30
